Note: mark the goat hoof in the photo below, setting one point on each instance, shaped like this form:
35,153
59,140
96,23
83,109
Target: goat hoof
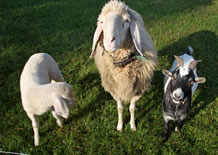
176,129
165,138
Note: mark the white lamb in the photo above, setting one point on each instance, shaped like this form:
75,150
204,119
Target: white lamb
124,55
39,94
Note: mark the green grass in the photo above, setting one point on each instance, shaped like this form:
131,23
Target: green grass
64,29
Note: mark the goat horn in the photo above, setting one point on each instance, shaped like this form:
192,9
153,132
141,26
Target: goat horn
179,61
193,64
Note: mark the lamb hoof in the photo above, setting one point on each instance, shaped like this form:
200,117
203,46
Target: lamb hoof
60,124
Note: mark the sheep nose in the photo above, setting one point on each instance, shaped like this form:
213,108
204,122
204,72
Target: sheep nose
112,39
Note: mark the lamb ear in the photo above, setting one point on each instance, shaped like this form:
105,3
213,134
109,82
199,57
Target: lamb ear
61,107
167,73
200,79
135,34
97,35
69,101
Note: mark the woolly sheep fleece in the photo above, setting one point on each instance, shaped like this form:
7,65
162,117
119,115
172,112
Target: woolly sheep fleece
130,81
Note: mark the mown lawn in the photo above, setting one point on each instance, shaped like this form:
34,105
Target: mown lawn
64,29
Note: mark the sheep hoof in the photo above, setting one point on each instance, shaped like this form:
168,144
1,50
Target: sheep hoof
119,127
36,143
133,129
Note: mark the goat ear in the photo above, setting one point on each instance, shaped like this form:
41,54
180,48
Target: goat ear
167,73
97,35
193,64
61,107
135,34
179,61
200,79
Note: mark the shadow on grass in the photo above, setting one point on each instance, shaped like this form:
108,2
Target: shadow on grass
87,83
51,25
205,48
154,10
152,97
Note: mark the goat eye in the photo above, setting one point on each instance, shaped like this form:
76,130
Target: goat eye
191,83
190,80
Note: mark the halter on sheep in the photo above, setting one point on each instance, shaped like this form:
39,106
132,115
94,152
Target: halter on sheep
119,39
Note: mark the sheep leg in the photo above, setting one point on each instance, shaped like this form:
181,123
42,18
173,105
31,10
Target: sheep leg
132,114
120,115
58,119
35,125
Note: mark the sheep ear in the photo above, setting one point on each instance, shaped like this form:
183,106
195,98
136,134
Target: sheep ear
97,35
61,107
167,73
135,34
200,79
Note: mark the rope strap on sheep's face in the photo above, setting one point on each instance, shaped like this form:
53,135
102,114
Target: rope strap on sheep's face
129,59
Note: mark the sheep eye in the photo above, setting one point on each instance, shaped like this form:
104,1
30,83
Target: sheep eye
126,23
101,21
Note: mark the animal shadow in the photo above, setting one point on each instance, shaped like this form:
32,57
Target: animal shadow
90,81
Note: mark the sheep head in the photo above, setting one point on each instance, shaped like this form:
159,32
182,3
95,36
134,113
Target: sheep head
117,24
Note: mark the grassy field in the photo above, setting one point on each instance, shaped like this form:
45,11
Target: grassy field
64,29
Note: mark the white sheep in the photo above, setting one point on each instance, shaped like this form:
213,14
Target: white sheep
119,41
39,94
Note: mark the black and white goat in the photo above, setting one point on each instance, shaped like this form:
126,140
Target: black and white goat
180,84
